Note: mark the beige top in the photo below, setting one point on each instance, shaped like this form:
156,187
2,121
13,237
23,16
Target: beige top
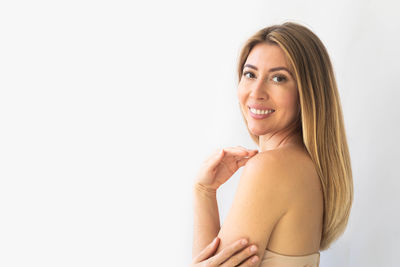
272,259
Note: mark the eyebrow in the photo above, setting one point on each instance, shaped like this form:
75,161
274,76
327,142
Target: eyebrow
270,70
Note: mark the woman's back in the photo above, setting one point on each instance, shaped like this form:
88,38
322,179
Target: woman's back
298,232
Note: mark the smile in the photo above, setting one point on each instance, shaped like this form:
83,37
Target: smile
260,114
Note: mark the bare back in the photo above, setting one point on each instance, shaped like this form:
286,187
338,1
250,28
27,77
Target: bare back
298,232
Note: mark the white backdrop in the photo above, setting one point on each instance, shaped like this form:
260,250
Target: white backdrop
108,108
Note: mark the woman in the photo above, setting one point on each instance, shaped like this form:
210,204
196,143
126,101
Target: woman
295,195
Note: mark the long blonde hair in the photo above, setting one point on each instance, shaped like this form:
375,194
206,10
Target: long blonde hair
320,121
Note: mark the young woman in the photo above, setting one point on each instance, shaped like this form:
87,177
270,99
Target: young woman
295,195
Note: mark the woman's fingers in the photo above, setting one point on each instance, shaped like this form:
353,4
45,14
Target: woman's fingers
249,262
208,251
241,152
240,155
243,162
241,257
237,152
227,253
233,151
215,159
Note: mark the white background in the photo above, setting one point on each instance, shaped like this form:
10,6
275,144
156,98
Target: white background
108,108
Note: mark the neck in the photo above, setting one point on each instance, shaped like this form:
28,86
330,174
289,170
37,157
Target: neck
273,141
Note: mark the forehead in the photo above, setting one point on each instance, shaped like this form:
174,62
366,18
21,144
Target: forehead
265,55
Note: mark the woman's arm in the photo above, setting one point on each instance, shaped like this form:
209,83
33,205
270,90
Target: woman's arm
262,197
215,171
206,217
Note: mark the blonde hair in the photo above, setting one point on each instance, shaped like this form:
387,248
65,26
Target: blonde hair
320,121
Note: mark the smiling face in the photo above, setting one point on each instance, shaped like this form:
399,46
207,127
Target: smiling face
268,82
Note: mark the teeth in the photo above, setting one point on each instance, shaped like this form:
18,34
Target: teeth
257,111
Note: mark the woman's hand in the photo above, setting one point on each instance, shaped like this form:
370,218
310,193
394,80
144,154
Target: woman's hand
227,256
221,165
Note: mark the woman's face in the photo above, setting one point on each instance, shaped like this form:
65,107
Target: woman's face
267,82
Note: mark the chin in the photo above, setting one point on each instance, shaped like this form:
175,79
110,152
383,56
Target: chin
258,132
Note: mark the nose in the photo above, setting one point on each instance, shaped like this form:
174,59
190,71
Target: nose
259,90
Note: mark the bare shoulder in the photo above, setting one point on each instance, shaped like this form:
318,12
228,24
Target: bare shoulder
293,175
291,167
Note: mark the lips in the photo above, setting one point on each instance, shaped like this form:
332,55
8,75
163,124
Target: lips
259,116
260,107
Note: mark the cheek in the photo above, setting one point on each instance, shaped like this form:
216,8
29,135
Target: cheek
288,100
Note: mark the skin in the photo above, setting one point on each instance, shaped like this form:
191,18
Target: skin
237,254
293,223
276,90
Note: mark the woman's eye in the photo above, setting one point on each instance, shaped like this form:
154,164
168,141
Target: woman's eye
280,78
248,72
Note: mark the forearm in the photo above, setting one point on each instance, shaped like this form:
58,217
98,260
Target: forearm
206,218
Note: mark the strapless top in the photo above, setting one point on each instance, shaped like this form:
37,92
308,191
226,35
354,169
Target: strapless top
273,259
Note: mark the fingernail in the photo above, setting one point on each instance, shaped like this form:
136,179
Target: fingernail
254,259
244,241
253,248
